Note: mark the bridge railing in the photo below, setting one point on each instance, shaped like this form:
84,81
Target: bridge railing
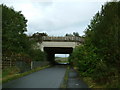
67,38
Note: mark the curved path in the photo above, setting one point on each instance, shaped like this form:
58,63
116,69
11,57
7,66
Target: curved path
46,78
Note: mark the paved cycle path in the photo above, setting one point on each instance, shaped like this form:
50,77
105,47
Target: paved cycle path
46,78
74,81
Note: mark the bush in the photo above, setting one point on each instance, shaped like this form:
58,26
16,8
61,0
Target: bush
10,71
37,55
99,56
85,59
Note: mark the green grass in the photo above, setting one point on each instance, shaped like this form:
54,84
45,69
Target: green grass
114,83
65,80
91,83
10,71
7,78
62,61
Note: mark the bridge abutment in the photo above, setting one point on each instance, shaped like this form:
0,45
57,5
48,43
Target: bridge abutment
58,45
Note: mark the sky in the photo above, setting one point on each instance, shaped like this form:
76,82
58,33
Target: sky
61,55
56,17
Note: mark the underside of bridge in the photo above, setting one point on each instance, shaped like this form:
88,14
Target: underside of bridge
51,51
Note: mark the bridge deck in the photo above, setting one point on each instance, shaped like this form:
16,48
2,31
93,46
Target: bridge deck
67,38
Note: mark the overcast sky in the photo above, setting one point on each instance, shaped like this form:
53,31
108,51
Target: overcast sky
56,17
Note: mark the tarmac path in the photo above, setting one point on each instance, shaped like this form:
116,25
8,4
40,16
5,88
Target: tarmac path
46,78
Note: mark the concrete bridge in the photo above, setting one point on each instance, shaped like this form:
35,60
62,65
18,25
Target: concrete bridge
59,45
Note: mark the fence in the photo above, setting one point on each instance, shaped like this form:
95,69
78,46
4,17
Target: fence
7,63
35,64
24,66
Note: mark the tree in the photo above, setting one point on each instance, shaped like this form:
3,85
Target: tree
14,26
38,36
16,45
101,47
68,34
76,34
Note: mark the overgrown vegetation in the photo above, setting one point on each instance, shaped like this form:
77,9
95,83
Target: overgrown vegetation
61,60
99,56
73,34
8,75
65,80
16,45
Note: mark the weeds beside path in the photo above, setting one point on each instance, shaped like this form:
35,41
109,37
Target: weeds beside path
7,78
65,80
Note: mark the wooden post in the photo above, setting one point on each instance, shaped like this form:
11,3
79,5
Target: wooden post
31,64
10,63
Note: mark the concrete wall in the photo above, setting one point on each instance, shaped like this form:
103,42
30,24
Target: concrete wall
58,44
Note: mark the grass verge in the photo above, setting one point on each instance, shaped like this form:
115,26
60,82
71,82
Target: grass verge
65,80
15,76
112,81
91,83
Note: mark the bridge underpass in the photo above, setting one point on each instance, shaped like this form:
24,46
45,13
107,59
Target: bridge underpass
58,45
51,51
50,77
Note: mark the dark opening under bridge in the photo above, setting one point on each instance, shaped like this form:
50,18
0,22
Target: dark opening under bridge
59,45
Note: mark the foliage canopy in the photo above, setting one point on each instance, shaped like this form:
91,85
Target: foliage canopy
99,57
16,44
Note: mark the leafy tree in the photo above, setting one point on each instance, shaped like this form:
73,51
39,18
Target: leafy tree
76,34
37,55
99,56
13,28
38,36
68,35
16,45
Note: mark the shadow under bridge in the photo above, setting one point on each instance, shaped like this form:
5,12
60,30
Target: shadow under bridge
51,51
